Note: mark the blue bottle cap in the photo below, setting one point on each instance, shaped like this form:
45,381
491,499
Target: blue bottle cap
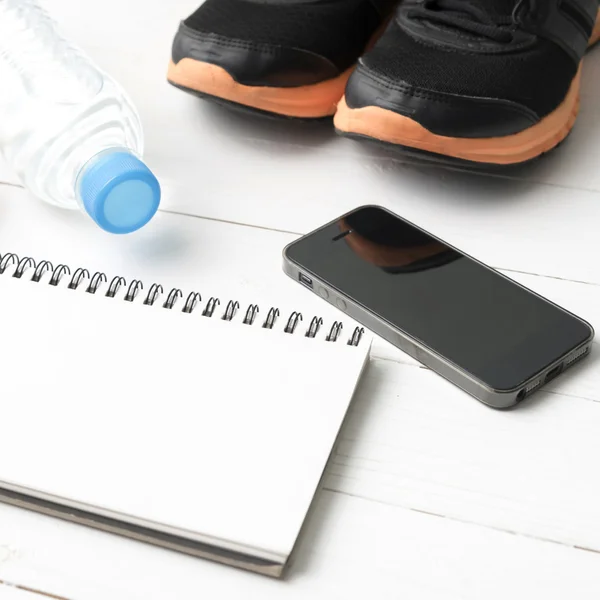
119,191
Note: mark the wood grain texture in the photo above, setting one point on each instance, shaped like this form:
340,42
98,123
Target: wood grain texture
352,548
11,591
430,494
413,444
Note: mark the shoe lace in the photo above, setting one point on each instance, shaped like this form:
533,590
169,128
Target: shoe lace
469,17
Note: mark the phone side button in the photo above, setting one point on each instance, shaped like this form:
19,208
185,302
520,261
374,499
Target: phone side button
340,304
323,293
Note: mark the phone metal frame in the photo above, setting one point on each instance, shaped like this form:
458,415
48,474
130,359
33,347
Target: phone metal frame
500,399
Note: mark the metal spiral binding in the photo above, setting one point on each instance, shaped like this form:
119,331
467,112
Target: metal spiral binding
210,307
58,273
356,336
271,318
115,285
251,314
24,264
293,322
97,280
7,260
45,272
156,290
192,301
232,308
135,287
77,278
335,331
43,268
172,298
315,325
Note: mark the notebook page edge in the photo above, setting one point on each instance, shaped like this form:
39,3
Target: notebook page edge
149,535
7,487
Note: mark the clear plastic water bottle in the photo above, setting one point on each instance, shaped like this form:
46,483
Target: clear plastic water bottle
69,131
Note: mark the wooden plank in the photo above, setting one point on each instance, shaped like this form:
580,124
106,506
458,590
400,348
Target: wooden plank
351,548
416,441
538,458
10,591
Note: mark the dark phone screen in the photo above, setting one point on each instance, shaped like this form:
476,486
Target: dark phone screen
482,322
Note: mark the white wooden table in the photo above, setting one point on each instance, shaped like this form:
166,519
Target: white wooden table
430,495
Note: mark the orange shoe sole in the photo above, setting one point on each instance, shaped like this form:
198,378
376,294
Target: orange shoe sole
387,126
306,102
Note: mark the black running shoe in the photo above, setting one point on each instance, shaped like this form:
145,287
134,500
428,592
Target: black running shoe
289,57
486,81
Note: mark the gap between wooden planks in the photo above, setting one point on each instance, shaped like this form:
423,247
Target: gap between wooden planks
28,593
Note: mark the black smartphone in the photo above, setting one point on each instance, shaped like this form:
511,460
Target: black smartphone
484,332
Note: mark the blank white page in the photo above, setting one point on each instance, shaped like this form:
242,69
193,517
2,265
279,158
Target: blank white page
217,431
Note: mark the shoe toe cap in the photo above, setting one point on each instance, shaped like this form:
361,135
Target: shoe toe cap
444,114
252,63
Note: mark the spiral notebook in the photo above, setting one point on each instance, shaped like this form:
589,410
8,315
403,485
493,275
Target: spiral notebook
173,419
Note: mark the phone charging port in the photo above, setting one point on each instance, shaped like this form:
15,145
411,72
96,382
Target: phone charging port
552,373
305,280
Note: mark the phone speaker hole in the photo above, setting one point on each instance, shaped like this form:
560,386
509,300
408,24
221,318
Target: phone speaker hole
577,356
532,387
